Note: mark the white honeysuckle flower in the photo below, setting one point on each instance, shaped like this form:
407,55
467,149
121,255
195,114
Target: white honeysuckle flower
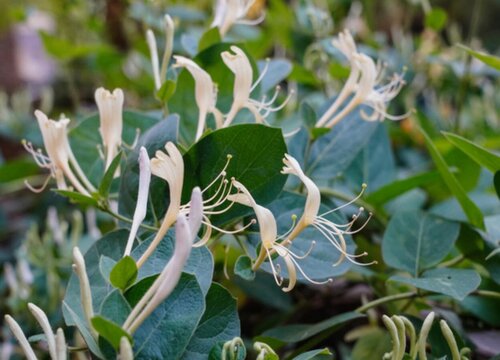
237,61
61,346
185,233
205,93
362,87
160,75
42,319
60,160
23,341
333,232
424,333
85,292
110,107
230,12
142,197
170,167
126,352
269,239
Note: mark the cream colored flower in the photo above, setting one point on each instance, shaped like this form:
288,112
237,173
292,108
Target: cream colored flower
237,61
230,12
205,93
185,233
362,87
60,160
110,107
159,75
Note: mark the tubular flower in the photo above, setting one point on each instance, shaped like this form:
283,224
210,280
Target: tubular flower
333,232
230,12
240,66
110,107
270,240
142,197
60,159
205,93
170,167
362,87
185,232
159,75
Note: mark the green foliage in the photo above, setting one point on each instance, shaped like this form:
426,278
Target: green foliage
124,273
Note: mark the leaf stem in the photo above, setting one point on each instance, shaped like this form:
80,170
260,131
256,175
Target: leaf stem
488,293
386,299
127,220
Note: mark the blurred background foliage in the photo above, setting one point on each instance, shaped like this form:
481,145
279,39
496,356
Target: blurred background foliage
55,53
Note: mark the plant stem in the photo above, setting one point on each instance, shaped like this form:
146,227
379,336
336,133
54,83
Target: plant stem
386,299
127,220
452,262
488,293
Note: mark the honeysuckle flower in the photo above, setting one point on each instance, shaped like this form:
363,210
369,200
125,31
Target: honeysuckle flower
240,66
230,12
23,341
205,93
333,232
42,319
85,293
185,232
424,332
61,346
269,239
170,167
60,160
142,197
126,352
362,87
159,75
110,107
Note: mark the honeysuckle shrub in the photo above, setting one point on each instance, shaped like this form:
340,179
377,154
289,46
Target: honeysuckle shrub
257,178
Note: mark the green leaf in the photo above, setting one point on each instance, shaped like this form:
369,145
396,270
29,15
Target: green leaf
277,71
243,268
107,179
166,333
240,353
375,164
66,50
308,115
490,60
209,38
414,241
166,91
124,273
398,187
496,183
372,345
471,210
316,132
257,158
320,354
332,153
110,331
263,289
220,322
17,169
115,307
78,198
300,332
155,138
457,283
479,154
436,19
484,308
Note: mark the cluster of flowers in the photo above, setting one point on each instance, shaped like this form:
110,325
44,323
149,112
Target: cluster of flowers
362,87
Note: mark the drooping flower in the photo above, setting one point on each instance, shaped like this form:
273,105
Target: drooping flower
362,87
271,242
85,293
60,160
333,232
230,12
159,75
205,93
240,66
185,233
110,107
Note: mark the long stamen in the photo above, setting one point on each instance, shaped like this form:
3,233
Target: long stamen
40,189
363,188
274,271
294,221
261,75
208,223
296,256
329,280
